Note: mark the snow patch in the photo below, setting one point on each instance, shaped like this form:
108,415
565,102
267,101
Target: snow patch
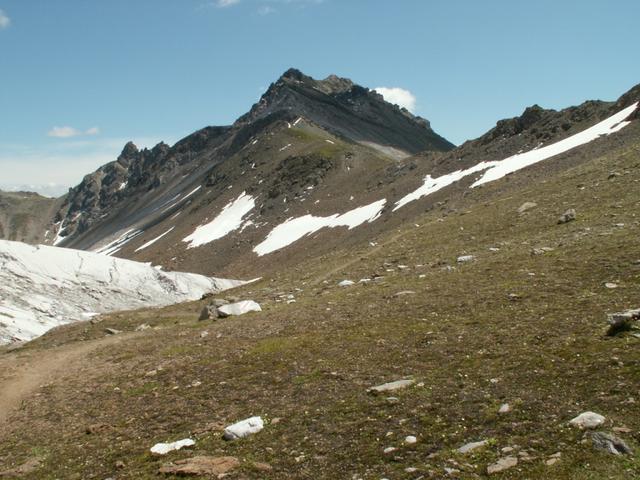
296,228
230,219
115,245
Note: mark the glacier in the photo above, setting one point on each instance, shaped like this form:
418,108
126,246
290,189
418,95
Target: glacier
42,287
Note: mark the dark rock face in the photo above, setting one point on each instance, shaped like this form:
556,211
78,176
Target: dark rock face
348,110
134,172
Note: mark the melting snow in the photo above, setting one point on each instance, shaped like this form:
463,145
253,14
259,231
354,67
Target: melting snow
151,242
42,287
285,147
294,229
192,192
230,219
123,185
500,168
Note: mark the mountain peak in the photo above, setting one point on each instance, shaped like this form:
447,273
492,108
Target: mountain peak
347,109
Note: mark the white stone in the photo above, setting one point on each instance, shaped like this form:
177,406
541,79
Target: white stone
465,258
243,428
504,408
346,283
410,440
391,386
587,420
469,447
164,448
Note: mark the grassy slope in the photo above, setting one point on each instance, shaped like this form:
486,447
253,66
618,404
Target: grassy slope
310,363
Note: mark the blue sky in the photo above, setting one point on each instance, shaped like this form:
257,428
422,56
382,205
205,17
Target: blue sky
81,77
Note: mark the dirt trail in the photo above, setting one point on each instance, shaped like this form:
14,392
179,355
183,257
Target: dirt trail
24,373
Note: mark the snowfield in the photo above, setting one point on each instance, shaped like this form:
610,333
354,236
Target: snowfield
42,287
500,168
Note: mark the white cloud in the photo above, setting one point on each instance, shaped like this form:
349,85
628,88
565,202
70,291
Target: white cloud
266,10
69,132
399,96
5,21
226,3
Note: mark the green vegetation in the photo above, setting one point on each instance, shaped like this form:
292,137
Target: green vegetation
510,327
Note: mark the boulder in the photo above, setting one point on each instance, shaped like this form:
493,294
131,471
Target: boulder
610,443
243,428
587,420
201,466
238,308
622,321
568,216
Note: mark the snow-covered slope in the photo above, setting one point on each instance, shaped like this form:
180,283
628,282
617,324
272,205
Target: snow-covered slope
42,287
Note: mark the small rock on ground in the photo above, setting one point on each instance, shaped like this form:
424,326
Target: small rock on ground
199,466
501,465
470,447
568,216
391,386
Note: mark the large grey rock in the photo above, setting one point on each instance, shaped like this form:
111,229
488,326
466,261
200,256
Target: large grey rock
610,443
621,321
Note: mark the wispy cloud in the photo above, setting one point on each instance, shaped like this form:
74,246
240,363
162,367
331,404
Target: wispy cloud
399,96
226,3
70,132
5,21
60,164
